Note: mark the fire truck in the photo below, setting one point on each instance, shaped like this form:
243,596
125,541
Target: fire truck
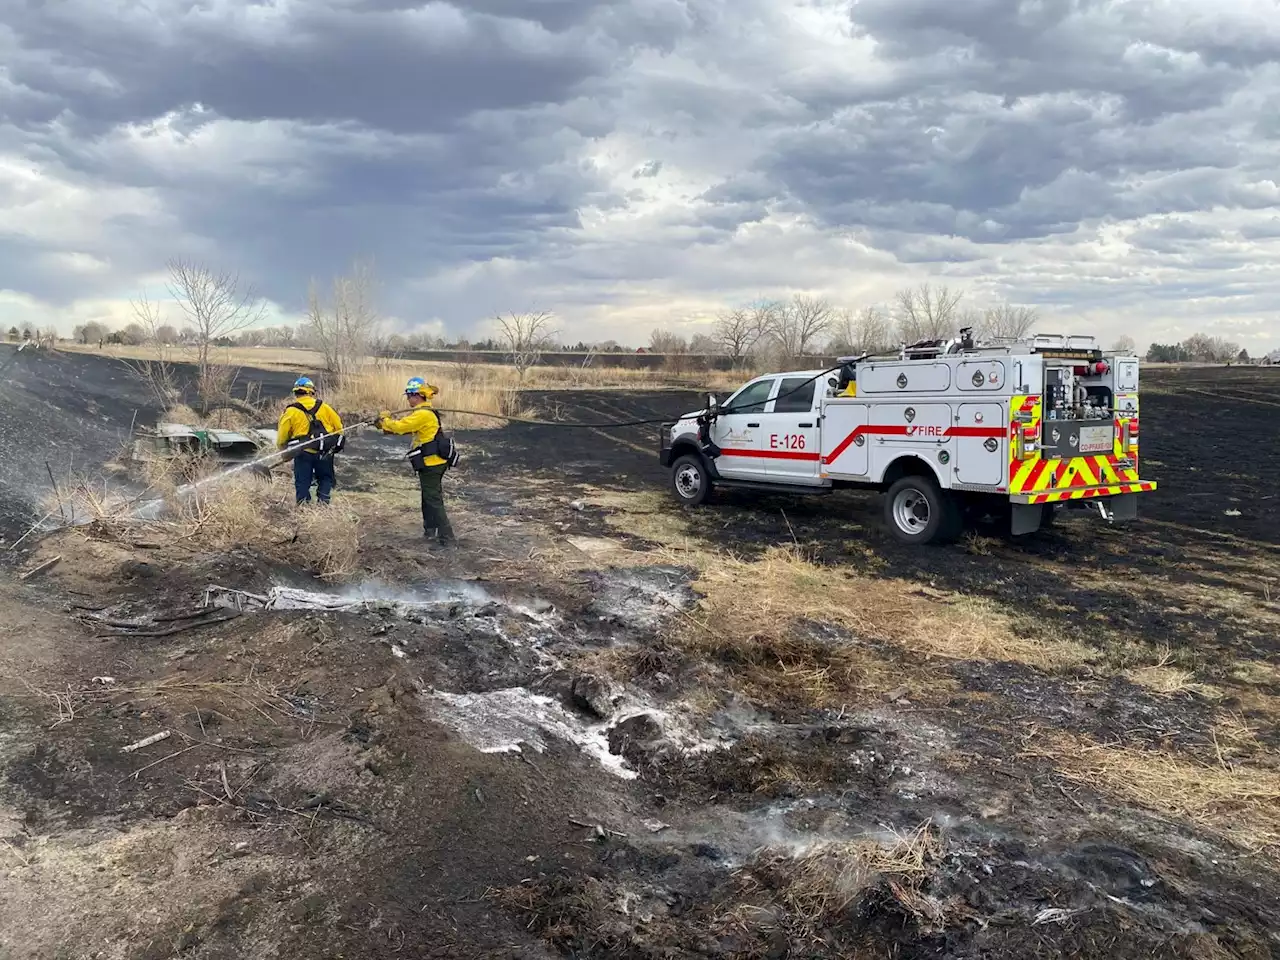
950,431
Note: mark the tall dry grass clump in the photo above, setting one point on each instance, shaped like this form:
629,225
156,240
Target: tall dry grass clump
381,387
243,510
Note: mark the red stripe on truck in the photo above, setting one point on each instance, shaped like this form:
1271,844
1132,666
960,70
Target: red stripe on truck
769,454
902,430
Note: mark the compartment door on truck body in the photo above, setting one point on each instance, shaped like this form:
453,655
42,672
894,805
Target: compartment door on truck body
980,436
845,444
981,376
740,434
790,435
920,429
903,377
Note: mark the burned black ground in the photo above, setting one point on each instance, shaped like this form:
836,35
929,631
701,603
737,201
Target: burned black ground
317,805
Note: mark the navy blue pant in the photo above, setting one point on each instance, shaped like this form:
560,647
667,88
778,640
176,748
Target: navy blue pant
311,468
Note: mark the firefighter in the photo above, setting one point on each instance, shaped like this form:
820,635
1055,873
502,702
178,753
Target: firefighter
310,418
423,423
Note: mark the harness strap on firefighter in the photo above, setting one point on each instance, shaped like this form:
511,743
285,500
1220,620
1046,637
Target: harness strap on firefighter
316,429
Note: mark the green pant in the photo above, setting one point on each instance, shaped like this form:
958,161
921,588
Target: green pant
435,522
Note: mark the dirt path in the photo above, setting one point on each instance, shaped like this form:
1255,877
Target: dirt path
608,728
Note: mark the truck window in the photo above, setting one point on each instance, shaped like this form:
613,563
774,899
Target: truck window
801,401
752,397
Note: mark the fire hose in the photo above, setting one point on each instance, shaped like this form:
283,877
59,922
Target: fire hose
291,451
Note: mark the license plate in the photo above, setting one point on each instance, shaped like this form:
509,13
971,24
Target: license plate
1097,439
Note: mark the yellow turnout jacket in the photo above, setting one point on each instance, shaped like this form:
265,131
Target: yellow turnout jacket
423,424
295,425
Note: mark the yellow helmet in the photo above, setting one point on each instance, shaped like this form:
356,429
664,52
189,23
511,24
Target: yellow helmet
418,386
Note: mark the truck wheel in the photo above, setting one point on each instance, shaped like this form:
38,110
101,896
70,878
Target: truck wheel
689,480
917,511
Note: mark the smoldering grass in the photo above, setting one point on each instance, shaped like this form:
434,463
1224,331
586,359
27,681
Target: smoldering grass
819,887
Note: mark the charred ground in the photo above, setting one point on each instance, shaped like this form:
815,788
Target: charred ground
831,746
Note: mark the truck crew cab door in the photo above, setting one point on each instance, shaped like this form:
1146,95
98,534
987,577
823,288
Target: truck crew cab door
739,433
791,432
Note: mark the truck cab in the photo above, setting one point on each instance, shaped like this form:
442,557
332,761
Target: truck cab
949,430
769,431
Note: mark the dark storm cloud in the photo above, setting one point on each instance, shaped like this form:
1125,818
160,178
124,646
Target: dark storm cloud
452,130
395,66
1003,120
455,142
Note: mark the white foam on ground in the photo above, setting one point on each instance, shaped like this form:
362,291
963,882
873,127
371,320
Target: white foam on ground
502,721
378,598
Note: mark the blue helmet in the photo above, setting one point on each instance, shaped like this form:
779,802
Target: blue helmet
304,385
418,386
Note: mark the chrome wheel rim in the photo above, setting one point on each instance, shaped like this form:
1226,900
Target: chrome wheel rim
911,511
688,481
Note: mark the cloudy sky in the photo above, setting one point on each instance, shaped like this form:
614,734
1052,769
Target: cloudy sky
634,163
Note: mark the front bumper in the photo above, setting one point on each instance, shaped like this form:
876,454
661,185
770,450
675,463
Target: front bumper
664,444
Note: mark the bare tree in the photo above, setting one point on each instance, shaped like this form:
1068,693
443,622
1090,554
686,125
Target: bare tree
798,325
214,304
1125,345
764,319
464,363
347,329
927,313
525,337
1209,349
667,343
866,331
736,333
674,347
159,375
1007,320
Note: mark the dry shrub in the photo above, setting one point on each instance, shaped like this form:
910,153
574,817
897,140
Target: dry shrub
327,541
820,888
192,500
575,914
181,413
1165,679
1239,802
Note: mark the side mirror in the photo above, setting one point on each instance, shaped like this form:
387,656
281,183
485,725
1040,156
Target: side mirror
712,402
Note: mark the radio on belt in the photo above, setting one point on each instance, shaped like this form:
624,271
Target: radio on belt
950,431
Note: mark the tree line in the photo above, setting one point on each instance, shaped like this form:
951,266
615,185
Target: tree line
1198,348
782,331
214,309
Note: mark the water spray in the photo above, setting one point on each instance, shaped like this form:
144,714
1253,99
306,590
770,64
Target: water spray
151,509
